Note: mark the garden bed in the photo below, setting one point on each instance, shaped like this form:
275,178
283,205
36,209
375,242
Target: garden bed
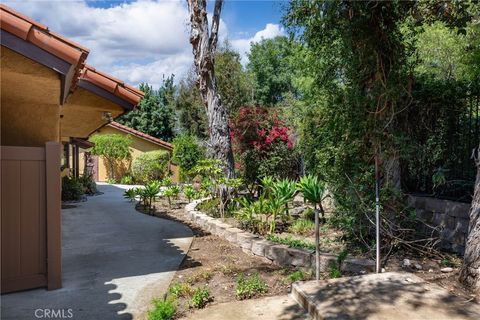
216,264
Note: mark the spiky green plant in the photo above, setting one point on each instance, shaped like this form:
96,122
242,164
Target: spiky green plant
130,194
189,192
313,191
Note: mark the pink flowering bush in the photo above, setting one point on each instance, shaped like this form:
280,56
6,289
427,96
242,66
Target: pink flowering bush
263,145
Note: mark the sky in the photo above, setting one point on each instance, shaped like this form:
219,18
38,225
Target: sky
147,40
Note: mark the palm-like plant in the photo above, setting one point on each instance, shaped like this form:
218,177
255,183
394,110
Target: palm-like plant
150,191
189,192
171,192
285,190
130,194
313,191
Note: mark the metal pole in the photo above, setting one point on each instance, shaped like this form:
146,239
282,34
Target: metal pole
317,244
377,214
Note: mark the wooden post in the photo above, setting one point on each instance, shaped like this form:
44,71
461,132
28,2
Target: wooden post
54,219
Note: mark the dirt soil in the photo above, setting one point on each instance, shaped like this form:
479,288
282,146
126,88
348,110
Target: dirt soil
215,263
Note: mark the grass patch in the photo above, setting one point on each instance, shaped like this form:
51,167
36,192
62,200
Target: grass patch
302,226
249,287
298,275
162,309
200,298
228,269
289,241
180,289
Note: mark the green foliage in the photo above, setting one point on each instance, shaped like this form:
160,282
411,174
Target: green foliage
150,192
89,185
171,192
189,192
313,190
308,214
151,165
154,115
302,227
192,118
186,153
126,179
334,272
291,242
270,65
113,147
200,298
249,287
180,289
72,189
234,83
130,194
162,309
295,276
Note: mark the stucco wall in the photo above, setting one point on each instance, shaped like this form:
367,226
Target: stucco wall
137,147
30,101
451,219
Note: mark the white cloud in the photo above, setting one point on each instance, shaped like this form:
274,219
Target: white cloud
243,45
142,41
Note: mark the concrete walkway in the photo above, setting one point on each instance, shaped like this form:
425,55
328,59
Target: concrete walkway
115,260
269,308
385,296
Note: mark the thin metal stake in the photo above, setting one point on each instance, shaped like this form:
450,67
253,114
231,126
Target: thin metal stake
377,213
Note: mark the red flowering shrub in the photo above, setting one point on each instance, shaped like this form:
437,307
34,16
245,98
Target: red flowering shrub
263,145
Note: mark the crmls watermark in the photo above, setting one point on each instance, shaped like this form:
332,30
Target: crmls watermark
53,313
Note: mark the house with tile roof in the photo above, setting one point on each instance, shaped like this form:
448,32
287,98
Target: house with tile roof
51,101
141,143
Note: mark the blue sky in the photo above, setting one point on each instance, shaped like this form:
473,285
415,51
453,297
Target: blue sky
143,40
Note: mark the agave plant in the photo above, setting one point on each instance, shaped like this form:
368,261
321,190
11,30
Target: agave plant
189,192
285,190
171,192
267,184
130,194
150,191
313,191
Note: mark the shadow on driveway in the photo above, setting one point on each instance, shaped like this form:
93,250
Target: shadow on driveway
114,258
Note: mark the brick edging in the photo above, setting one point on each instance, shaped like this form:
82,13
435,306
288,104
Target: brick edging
278,253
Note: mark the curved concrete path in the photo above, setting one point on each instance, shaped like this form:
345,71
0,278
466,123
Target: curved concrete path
115,260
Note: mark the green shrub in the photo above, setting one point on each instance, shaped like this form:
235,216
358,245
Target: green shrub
162,309
186,153
249,287
151,165
302,226
180,289
334,272
296,276
130,194
189,192
200,298
89,185
114,148
127,179
72,189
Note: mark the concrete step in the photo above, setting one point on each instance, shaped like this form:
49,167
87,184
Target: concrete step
388,296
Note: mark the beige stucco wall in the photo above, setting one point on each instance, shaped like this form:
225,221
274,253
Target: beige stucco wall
137,147
30,101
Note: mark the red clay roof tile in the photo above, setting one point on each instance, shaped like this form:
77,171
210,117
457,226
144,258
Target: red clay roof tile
140,134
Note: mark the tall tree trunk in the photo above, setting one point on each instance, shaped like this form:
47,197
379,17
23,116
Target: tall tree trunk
470,273
204,44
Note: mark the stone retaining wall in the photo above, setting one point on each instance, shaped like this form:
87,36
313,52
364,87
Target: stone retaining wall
450,217
279,254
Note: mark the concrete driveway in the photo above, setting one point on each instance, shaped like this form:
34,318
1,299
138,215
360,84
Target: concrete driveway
115,260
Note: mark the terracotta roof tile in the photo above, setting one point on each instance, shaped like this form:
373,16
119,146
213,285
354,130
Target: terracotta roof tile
137,133
39,35
112,85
